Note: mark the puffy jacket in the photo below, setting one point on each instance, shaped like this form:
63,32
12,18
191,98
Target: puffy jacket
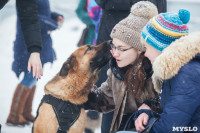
179,69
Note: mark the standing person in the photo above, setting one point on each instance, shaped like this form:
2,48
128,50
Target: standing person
20,112
176,64
129,77
113,12
89,13
94,12
82,13
27,12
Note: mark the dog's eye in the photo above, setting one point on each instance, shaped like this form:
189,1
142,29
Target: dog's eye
89,48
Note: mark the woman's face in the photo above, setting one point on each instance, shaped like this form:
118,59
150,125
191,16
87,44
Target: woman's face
151,52
123,53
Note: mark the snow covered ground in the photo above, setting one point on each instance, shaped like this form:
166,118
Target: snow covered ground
64,42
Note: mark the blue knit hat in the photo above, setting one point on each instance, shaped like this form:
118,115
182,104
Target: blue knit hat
165,28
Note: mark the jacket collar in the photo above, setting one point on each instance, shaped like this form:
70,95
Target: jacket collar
119,73
179,53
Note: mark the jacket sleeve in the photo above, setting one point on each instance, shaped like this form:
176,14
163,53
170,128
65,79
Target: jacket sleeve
28,16
54,15
2,3
181,104
82,13
101,99
47,24
126,4
161,5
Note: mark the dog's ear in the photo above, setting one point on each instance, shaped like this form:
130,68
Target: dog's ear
69,64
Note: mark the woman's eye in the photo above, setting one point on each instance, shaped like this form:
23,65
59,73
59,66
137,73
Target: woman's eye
120,49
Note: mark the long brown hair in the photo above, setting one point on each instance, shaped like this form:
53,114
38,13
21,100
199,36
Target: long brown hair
135,77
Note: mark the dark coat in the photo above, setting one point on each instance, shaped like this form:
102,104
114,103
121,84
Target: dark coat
179,68
30,25
2,3
47,24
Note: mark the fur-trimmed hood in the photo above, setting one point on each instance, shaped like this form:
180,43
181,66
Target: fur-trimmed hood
179,53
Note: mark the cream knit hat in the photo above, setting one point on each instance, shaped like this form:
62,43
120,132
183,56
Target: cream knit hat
129,29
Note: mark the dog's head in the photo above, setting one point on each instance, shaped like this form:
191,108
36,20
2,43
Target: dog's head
87,58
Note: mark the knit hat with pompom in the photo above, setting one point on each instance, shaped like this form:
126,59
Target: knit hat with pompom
165,28
129,29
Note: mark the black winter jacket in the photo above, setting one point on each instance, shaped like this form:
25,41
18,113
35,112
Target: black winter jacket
2,3
27,11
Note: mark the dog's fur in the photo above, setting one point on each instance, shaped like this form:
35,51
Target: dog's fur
73,83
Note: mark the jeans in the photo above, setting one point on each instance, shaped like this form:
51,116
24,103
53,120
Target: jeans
106,122
28,80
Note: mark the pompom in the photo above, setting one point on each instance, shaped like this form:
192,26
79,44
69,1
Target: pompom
184,16
144,9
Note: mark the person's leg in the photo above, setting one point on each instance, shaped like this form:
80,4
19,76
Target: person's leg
17,107
93,121
28,80
19,101
31,83
106,122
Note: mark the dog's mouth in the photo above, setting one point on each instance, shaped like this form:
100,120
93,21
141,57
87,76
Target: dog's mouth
102,58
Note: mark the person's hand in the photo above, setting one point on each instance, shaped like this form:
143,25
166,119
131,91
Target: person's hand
144,106
60,19
34,62
141,121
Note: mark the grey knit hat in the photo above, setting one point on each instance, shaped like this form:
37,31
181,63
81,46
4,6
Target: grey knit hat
129,29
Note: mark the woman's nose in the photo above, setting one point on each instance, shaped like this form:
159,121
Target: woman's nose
115,53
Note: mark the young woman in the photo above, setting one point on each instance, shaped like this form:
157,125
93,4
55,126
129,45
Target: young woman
129,78
176,66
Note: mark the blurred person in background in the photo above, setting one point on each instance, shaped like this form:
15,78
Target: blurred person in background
28,17
89,13
113,12
21,107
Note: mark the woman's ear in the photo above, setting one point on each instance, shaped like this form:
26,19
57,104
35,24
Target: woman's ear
139,52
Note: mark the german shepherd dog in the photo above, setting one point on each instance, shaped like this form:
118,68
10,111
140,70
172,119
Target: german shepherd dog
72,84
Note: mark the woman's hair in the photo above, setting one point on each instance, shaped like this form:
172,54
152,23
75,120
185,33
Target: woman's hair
135,77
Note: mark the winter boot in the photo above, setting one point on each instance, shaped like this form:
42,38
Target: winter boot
28,106
16,112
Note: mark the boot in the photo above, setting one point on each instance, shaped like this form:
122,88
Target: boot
16,112
28,106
